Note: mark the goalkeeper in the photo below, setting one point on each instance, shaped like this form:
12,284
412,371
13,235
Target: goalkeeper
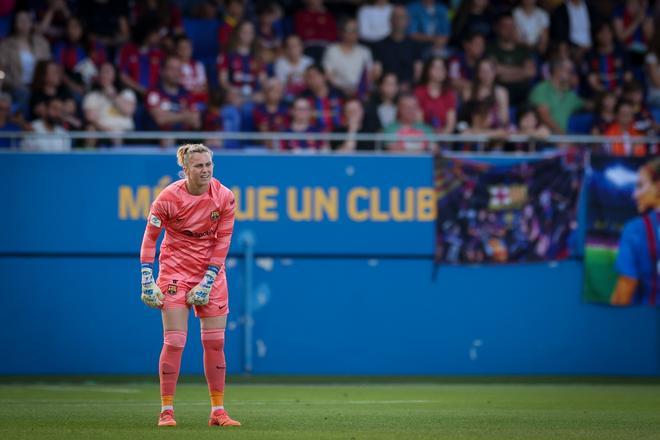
197,213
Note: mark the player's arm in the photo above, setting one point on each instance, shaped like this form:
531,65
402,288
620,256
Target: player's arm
199,295
151,294
624,290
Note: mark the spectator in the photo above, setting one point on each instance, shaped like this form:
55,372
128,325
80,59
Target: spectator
6,123
109,106
273,114
624,126
529,125
554,99
398,53
239,67
325,100
652,69
436,99
106,20
234,12
47,84
634,27
53,16
515,64
605,113
353,125
472,17
347,64
170,106
478,119
533,26
140,62
559,51
270,31
302,123
633,92
412,134
374,20
19,54
484,90
223,114
193,73
429,24
462,66
381,109
166,15
290,67
605,66
316,27
571,21
49,124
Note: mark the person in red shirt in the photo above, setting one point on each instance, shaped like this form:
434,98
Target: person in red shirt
436,98
234,11
316,27
624,126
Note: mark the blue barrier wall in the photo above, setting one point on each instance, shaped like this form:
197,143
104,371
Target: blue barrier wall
344,287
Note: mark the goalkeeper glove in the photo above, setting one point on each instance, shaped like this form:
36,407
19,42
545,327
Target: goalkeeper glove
151,294
199,295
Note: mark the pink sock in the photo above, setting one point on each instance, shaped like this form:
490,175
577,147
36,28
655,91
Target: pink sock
170,364
213,342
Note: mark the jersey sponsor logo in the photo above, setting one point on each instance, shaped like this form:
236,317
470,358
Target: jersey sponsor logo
171,288
215,215
155,221
190,233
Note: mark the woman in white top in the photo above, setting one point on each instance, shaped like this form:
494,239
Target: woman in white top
374,21
533,25
347,62
290,67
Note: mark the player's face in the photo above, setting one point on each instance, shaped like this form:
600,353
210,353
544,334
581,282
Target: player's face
647,193
200,169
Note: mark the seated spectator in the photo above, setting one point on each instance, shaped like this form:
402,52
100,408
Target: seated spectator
471,17
49,124
109,106
353,124
273,114
652,70
633,92
412,133
167,16
462,66
571,21
374,21
429,24
107,21
605,113
290,67
484,90
302,123
398,53
234,14
193,73
140,62
559,51
605,66
223,114
238,67
436,99
19,54
170,106
533,26
529,124
270,29
477,119
347,63
515,65
634,27
6,122
326,101
317,28
381,108
47,84
624,126
554,99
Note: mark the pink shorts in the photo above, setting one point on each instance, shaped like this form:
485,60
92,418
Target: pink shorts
175,291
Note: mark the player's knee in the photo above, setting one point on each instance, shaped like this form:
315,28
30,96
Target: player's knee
213,339
175,338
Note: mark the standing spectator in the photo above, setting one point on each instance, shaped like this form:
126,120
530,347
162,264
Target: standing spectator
170,106
49,124
19,54
515,65
429,23
353,125
290,67
317,28
493,96
106,20
234,12
412,134
624,126
302,123
398,53
571,22
273,114
47,85
326,102
348,64
471,17
374,21
605,113
6,123
193,73
633,24
463,65
533,25
238,67
381,109
140,62
109,106
605,66
554,99
436,99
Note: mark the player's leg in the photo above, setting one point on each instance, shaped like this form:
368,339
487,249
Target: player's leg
175,330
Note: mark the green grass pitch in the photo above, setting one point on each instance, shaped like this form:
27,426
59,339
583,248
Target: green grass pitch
433,410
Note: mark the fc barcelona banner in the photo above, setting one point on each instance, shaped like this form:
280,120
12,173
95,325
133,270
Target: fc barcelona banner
506,213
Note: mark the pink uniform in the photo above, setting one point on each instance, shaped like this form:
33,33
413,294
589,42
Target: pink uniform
198,232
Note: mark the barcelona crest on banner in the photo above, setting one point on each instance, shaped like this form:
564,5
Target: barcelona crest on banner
506,213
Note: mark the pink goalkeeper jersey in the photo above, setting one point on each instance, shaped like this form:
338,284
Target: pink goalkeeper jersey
197,230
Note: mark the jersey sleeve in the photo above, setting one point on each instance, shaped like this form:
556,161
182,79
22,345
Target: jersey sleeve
625,259
224,232
159,215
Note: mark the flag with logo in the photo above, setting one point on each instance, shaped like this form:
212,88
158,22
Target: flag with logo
490,213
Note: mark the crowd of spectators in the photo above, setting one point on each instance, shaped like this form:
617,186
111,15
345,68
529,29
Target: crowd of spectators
409,68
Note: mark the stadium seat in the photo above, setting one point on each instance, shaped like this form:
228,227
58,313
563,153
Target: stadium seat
580,123
204,36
